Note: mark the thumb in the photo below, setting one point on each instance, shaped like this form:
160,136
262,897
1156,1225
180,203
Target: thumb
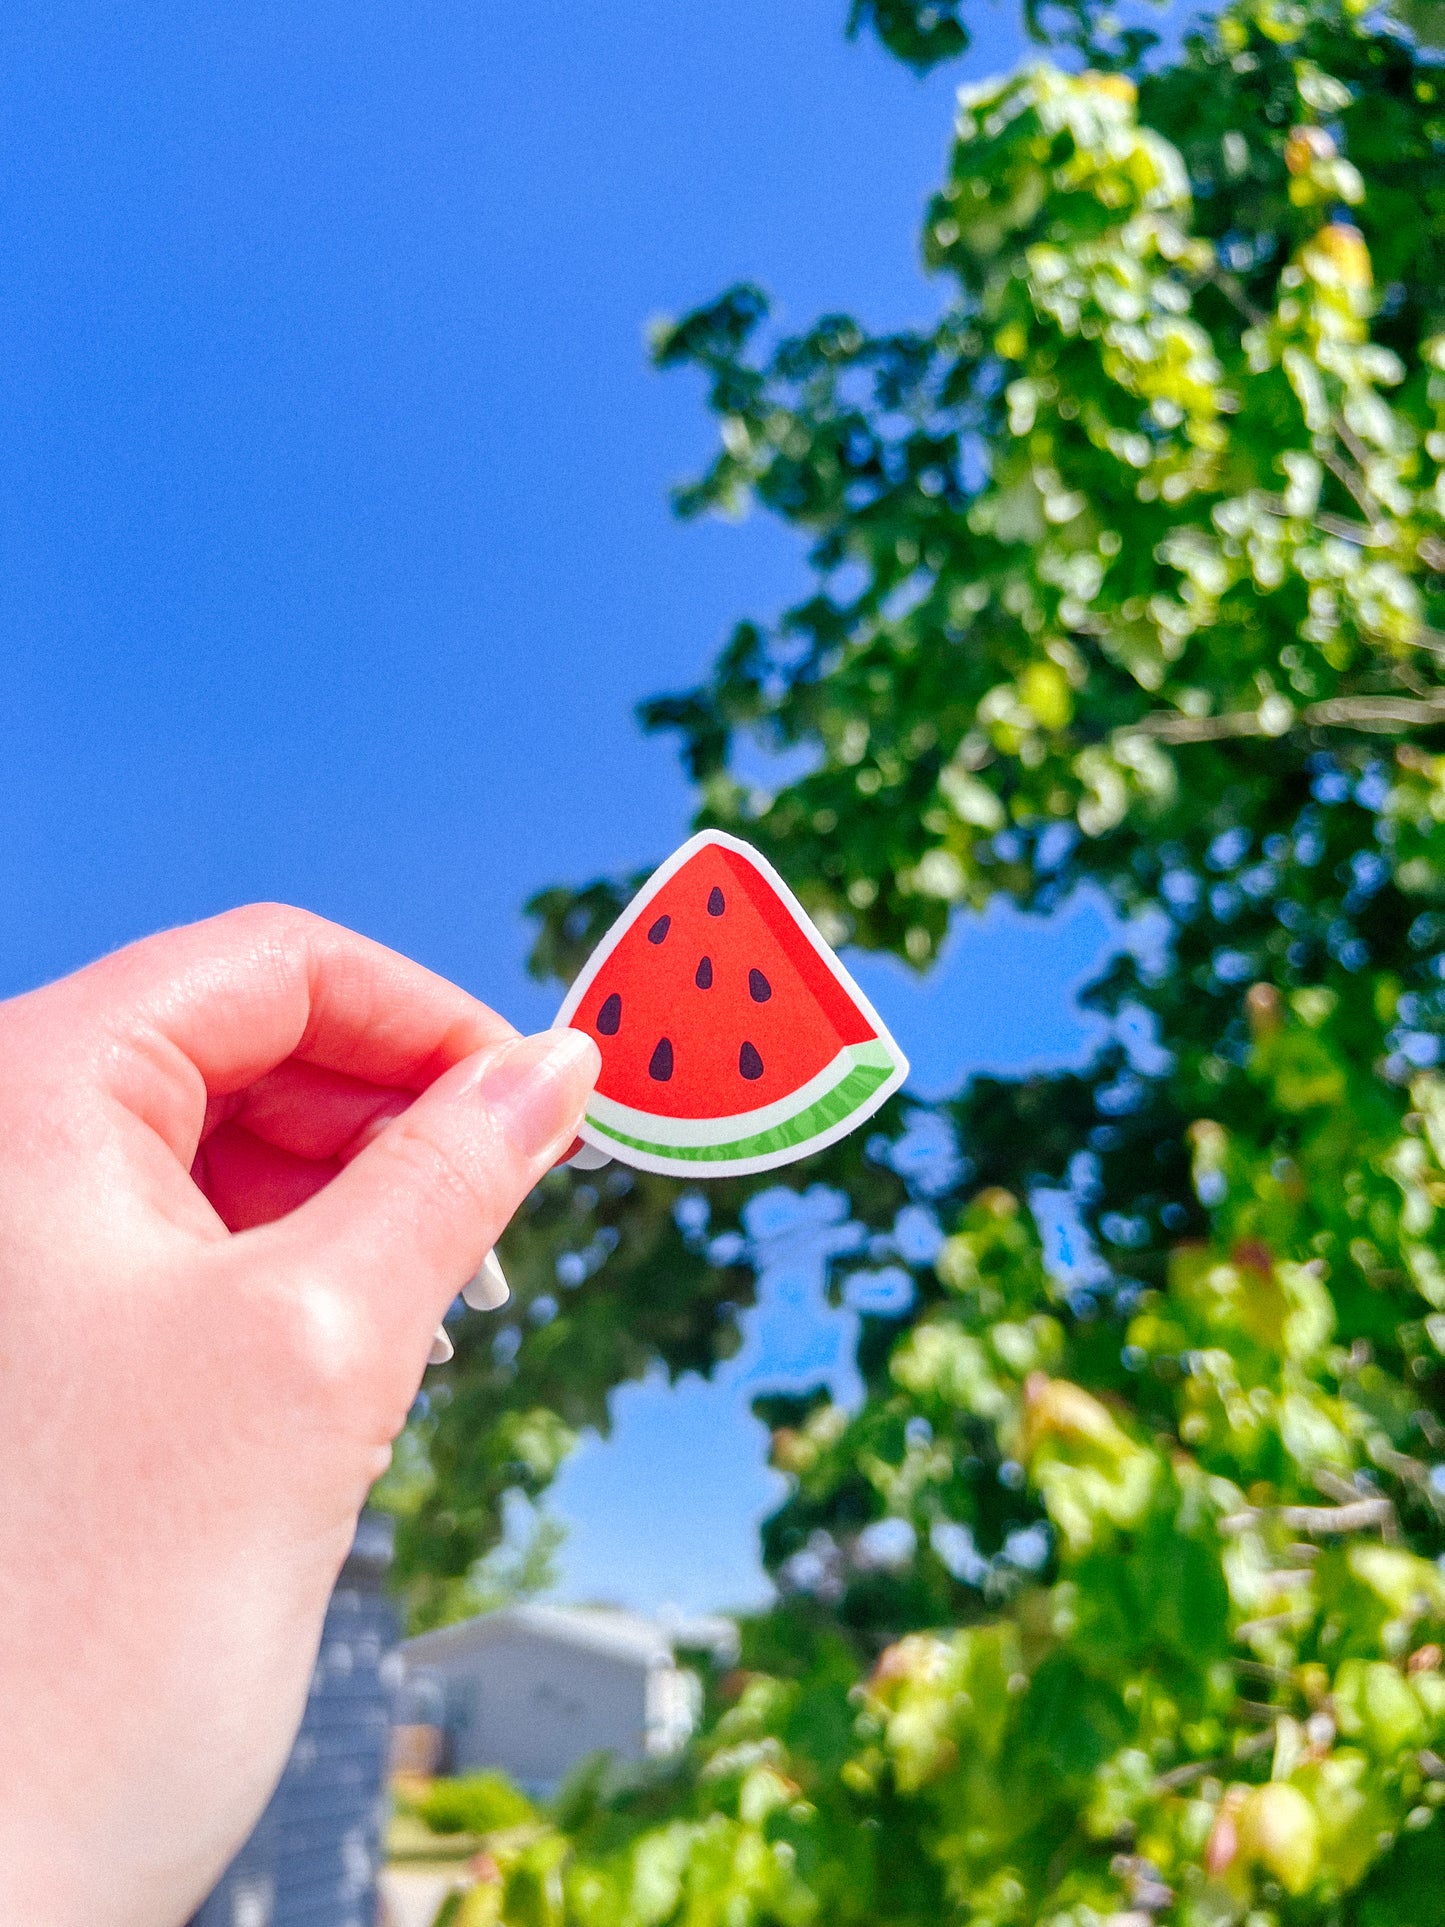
409,1220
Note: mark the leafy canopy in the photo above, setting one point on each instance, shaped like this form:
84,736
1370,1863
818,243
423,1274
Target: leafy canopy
1117,1599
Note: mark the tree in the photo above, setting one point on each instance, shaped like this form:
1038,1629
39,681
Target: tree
1118,1597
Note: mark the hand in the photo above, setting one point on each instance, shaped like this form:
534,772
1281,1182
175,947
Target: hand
244,1169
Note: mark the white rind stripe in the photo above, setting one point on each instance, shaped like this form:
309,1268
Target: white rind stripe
726,1130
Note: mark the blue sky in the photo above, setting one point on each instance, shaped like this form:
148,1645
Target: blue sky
334,545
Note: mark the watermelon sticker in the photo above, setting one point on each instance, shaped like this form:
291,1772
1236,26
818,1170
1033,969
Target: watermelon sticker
732,1038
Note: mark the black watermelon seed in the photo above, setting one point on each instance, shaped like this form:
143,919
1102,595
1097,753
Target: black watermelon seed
610,1016
660,1066
659,930
749,1063
716,902
703,979
759,989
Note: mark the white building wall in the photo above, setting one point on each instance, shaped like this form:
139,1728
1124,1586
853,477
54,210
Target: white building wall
535,1710
535,1689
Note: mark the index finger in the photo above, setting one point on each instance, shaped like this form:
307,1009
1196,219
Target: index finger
233,997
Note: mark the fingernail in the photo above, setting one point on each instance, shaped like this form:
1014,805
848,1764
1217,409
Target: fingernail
489,1288
589,1158
536,1088
442,1348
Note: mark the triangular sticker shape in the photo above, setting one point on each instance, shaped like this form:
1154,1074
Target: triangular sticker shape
733,1040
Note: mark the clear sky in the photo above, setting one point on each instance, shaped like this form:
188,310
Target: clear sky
334,545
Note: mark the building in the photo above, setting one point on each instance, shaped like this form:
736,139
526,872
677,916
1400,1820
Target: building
312,1859
533,1690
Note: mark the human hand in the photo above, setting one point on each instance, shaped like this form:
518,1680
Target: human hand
244,1169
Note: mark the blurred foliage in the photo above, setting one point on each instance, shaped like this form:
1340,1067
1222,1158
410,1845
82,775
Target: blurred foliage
523,1384
520,1567
924,33
478,1803
1117,1599
921,36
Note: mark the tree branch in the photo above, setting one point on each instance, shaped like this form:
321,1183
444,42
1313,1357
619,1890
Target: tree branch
1338,712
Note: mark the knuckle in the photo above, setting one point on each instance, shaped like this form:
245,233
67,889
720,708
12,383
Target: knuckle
274,932
269,919
317,1340
338,1377
284,936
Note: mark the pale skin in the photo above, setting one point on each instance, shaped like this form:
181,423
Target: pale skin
245,1168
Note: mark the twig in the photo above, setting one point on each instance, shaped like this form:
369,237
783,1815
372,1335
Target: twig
1320,1521
1257,1710
1230,286
1247,1628
1314,1521
1403,1464
1256,1668
1166,727
1366,537
1179,1776
1335,1485
1406,673
1355,486
1363,535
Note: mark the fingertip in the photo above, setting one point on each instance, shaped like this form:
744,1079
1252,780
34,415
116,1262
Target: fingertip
577,1050
536,1089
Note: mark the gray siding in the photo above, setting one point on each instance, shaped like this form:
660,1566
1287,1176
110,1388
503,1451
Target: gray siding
312,1859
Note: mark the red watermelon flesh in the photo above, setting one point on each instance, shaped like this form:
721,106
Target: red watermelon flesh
722,993
714,999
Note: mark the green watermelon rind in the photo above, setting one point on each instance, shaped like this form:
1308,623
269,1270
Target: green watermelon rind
870,1068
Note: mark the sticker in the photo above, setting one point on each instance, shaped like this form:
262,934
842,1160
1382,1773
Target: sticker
733,1040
